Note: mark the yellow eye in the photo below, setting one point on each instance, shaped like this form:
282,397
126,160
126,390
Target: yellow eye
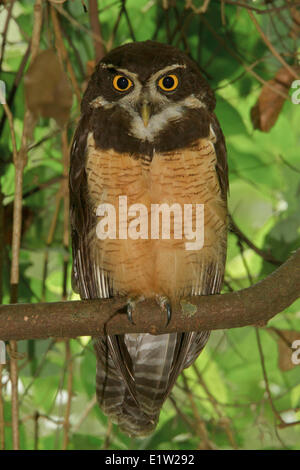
122,83
168,82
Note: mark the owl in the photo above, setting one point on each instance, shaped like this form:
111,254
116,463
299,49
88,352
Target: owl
147,134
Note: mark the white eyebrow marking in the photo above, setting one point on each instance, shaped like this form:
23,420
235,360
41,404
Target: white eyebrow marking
120,70
163,71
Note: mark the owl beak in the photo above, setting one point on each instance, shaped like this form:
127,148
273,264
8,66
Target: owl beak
145,112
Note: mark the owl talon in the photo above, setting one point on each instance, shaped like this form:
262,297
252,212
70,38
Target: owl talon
165,305
129,312
131,303
169,312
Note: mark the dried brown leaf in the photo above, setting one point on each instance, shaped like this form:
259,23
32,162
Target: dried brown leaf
265,112
47,89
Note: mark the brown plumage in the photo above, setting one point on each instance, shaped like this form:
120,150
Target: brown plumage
177,155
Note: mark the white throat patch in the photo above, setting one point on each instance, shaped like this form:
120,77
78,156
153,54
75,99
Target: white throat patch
159,121
156,123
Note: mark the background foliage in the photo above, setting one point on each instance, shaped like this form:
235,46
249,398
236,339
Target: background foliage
243,392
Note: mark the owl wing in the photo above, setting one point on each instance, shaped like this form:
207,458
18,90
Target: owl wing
221,155
87,279
80,214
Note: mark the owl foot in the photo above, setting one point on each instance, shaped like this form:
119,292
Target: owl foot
165,305
131,303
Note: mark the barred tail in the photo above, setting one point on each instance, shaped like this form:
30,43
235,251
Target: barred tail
136,372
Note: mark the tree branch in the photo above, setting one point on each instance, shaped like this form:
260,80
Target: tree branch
252,306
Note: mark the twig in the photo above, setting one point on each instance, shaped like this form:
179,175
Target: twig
61,195
265,255
200,423
167,22
5,31
262,360
37,371
42,186
184,418
78,57
58,421
15,85
2,424
96,28
223,15
114,31
279,36
106,442
85,414
78,25
65,194
37,26
12,130
2,236
159,23
286,425
271,47
288,164
20,160
57,1
50,237
13,352
257,10
128,22
69,363
245,264
247,67
16,236
198,10
223,420
282,423
23,33
236,79
63,54
179,24
182,26
36,430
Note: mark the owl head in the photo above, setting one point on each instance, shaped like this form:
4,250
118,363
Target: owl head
147,96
